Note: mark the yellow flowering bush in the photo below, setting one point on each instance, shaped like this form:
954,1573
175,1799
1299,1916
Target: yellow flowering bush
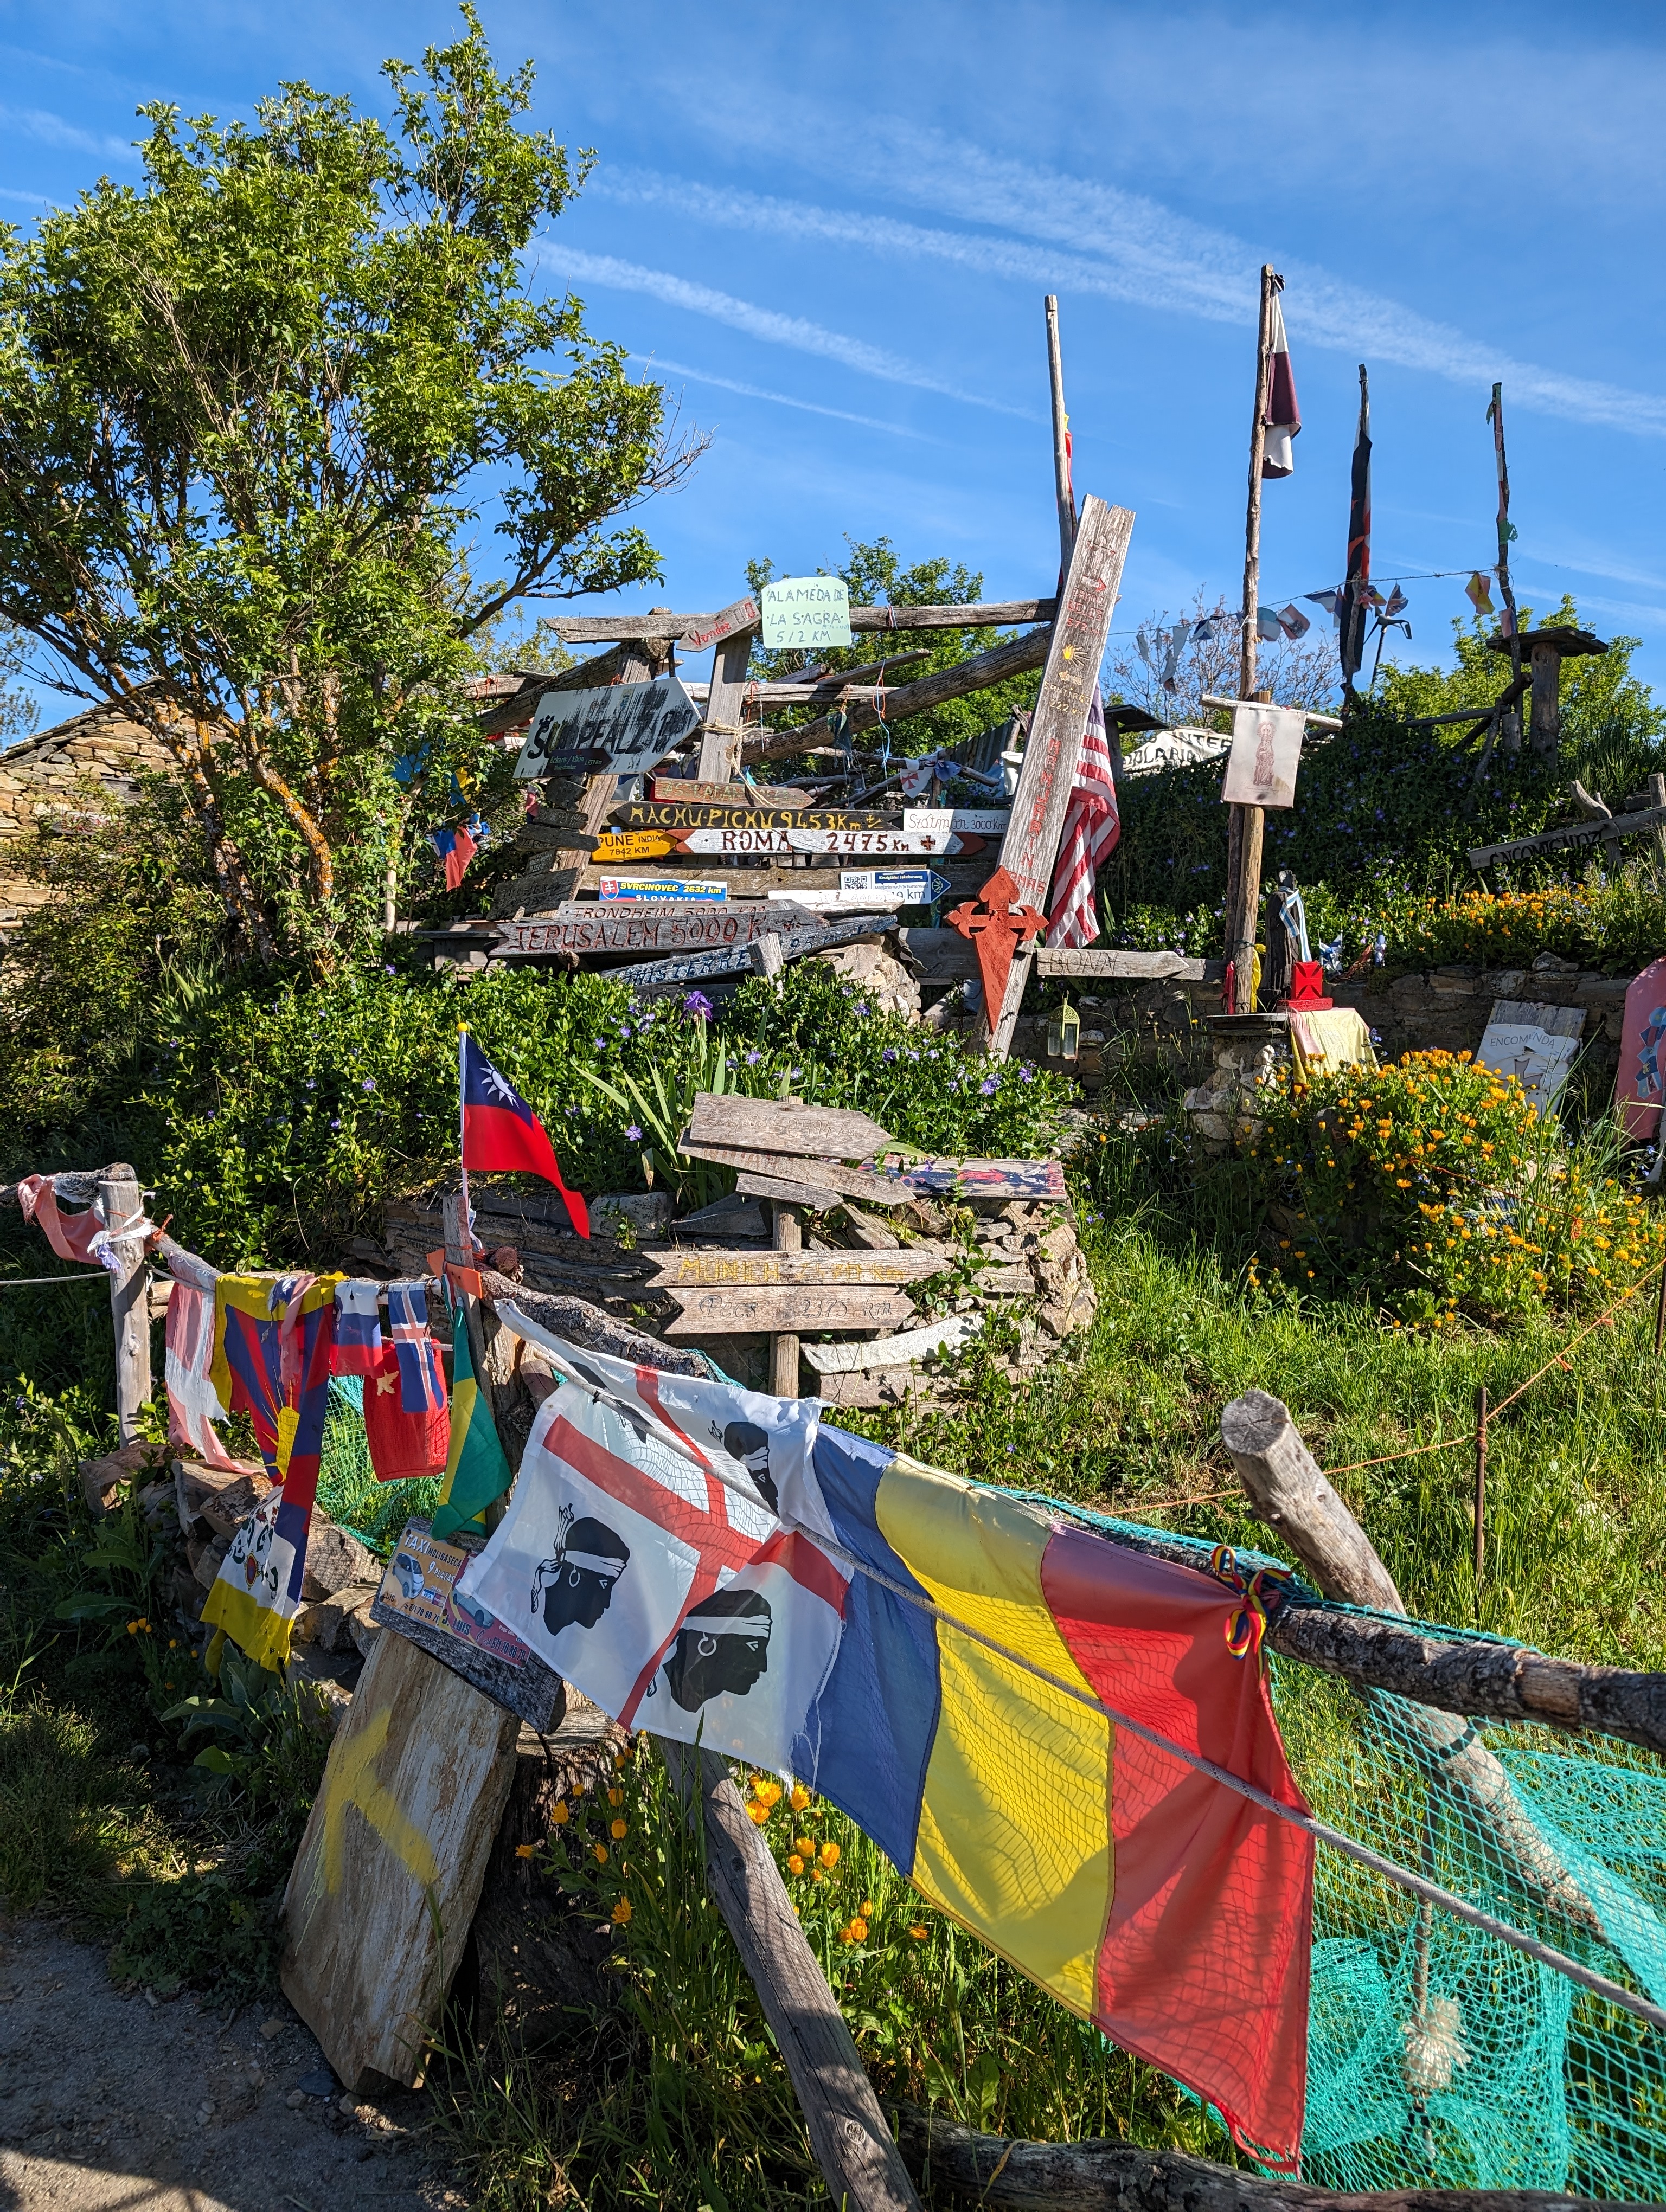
1435,1188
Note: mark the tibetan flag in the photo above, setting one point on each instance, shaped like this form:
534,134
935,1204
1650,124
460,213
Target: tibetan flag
952,1667
271,1361
1356,587
358,1345
456,848
500,1131
1283,418
477,1472
192,1406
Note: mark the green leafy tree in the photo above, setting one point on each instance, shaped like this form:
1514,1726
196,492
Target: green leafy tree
876,578
254,411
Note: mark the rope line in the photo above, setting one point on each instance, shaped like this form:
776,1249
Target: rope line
1319,1831
1468,1436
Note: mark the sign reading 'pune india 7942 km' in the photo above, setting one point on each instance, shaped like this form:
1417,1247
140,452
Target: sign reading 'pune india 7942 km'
634,725
806,612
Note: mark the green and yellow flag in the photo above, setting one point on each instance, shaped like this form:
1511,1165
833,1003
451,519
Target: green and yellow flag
476,1469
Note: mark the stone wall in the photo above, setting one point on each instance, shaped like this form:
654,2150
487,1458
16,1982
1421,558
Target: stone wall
103,747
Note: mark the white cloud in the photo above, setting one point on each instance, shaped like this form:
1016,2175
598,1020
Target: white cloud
663,368
49,129
1071,232
765,323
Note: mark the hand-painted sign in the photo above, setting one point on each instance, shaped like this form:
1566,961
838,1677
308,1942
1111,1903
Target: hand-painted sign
743,615
625,926
1640,1086
630,845
804,611
737,959
634,725
656,814
659,887
858,844
686,791
1267,752
1536,1044
928,821
421,1584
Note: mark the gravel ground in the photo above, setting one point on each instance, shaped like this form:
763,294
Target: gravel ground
109,2101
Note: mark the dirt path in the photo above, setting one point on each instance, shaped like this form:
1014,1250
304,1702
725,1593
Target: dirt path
109,2101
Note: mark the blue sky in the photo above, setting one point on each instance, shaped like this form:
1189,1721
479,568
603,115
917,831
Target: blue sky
829,231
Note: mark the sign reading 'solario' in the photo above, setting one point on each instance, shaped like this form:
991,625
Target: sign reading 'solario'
635,725
806,612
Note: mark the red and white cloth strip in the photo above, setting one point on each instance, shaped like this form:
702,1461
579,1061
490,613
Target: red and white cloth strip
1092,827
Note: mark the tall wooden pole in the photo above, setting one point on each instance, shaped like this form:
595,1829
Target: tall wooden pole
784,1347
1244,829
1511,735
121,1201
1063,488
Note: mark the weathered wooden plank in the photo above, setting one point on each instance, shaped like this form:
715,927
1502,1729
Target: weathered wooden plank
901,1351
823,1174
1128,967
1577,833
731,1216
785,1307
1016,657
784,1191
389,1870
567,837
786,1125
418,1600
684,791
1077,645
816,884
543,1320
626,927
122,1200
601,629
669,975
719,743
715,1270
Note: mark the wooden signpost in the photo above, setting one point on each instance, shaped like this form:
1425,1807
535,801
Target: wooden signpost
983,614
784,1189
856,844
1125,967
733,633
634,725
674,818
711,1271
1602,831
684,791
629,845
385,1884
786,1125
787,1308
1030,847
899,1350
628,927
802,881
822,1175
655,976
705,631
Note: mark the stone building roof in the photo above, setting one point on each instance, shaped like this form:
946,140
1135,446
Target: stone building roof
103,745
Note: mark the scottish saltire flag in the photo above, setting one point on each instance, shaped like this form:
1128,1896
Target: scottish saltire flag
271,1360
477,1472
421,1378
456,848
1283,418
1092,827
500,1131
358,1343
937,1659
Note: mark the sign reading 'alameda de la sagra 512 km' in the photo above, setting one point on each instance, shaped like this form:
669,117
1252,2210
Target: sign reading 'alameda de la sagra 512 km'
806,612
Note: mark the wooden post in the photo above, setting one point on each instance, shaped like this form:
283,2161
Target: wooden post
1660,1302
1481,1486
1290,1494
1545,720
1245,828
121,1200
784,1348
719,740
1064,490
1510,736
860,2163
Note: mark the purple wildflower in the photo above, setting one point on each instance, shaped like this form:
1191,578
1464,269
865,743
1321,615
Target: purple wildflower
698,1005
370,1083
989,1085
634,1133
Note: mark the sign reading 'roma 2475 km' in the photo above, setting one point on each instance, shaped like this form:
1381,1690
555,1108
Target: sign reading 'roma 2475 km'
864,844
634,725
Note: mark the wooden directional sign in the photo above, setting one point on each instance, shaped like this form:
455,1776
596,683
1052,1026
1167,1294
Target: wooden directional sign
1001,1179
825,1174
982,821
634,725
711,1271
624,926
857,844
1580,833
786,1125
660,887
630,845
666,974
1127,967
807,884
706,631
785,1192
685,790
689,814
795,1309
898,886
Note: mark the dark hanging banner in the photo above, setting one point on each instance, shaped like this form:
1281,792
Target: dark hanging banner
1355,609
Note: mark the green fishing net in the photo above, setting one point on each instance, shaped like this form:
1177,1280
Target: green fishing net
347,1490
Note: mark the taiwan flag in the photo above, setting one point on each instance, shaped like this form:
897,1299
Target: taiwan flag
500,1131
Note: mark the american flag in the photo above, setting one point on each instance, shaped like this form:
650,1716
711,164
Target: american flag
1091,828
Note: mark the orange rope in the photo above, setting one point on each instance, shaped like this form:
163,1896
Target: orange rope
1468,1436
